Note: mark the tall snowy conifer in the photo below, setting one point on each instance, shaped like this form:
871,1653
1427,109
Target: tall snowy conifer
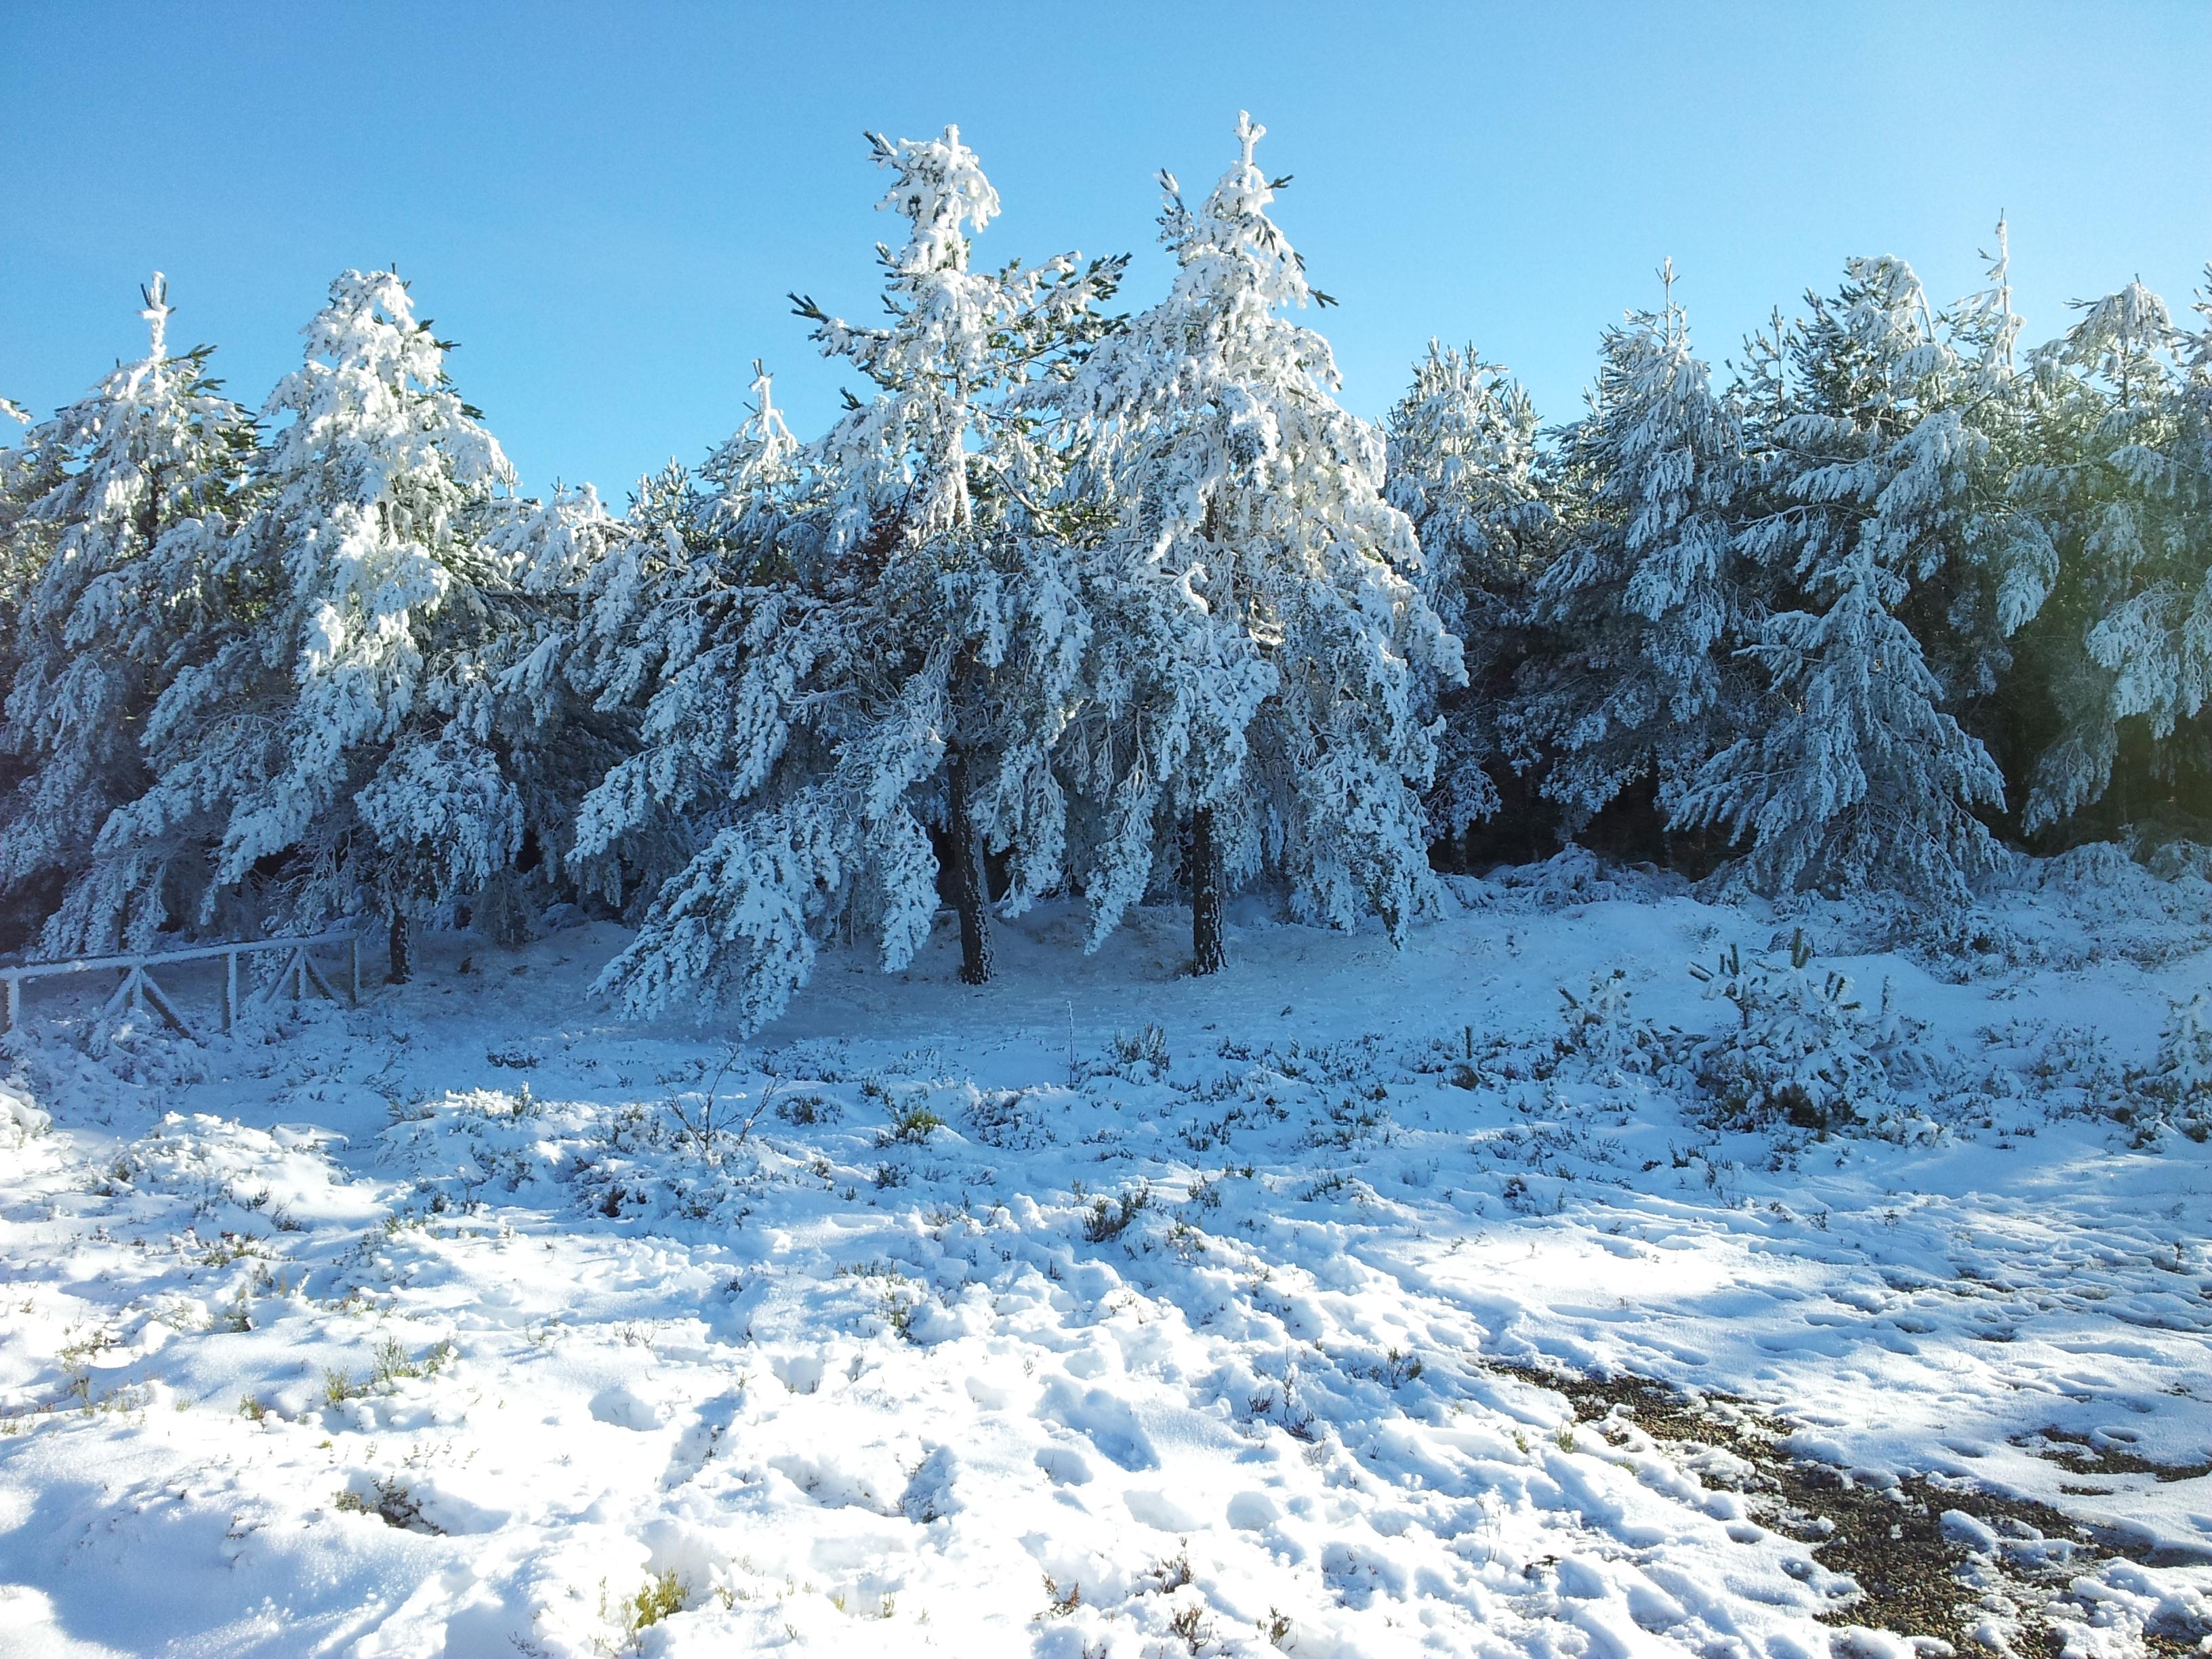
1462,468
127,492
1955,603
1644,609
691,629
1857,777
2115,597
489,769
1259,638
1964,618
896,627
20,559
299,747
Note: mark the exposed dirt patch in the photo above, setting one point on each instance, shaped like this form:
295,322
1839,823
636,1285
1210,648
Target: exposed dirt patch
2079,1452
1931,1559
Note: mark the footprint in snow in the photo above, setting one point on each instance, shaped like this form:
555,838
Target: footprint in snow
1100,1418
695,1447
801,1373
623,1407
1064,1466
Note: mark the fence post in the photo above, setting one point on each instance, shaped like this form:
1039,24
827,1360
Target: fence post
15,1001
230,989
354,953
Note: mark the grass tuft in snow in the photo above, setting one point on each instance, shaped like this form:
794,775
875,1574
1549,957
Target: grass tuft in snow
660,1597
391,1502
1107,1219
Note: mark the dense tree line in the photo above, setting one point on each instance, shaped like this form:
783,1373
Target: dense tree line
1115,605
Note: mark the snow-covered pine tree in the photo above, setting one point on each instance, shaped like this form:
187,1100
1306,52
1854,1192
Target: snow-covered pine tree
977,577
1259,638
561,745
2114,597
1858,779
1462,468
364,567
690,629
126,491
1641,612
18,562
478,799
1965,617
2190,648
1862,782
893,626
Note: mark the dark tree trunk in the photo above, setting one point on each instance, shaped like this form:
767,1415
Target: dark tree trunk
402,950
968,898
1207,955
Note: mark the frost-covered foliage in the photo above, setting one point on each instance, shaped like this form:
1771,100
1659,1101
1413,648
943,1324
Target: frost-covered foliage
333,744
857,640
1802,1048
1262,650
1645,609
17,563
1854,774
2113,590
507,690
20,1121
123,495
1862,782
657,644
1462,467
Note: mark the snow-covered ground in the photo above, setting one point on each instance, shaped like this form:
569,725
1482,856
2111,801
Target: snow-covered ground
1105,1311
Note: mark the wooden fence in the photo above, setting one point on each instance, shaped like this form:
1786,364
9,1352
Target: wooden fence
138,990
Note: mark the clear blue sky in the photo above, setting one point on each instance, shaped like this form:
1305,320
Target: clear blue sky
606,205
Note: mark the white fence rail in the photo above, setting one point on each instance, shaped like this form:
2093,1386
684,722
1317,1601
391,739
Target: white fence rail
137,990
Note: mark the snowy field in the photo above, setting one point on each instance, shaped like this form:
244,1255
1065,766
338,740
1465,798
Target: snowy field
1102,1311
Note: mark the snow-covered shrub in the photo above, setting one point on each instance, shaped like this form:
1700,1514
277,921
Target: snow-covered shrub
2072,1071
2098,868
1140,1056
1009,1119
1803,1049
388,1500
20,1120
1575,875
1979,942
1107,1219
2179,1081
911,1125
2097,901
1602,1027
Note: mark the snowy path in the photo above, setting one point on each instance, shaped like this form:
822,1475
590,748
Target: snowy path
857,1372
